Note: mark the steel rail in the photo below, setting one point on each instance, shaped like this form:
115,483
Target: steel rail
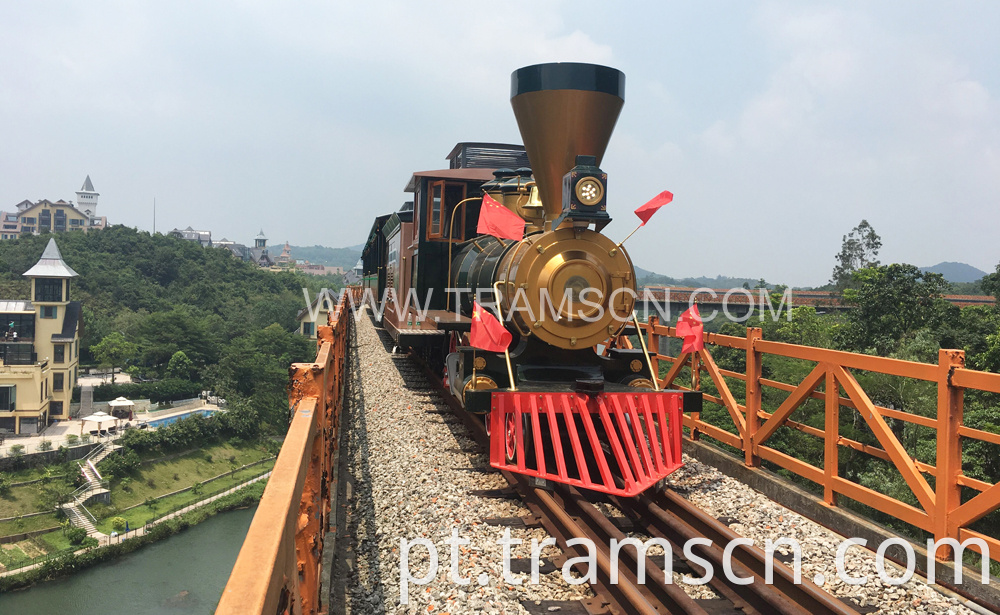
567,513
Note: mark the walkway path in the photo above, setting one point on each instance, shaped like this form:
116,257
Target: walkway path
86,400
106,540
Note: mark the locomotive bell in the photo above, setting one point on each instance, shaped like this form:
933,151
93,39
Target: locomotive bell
564,110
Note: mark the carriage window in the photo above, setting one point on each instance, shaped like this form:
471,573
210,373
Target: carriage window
434,209
442,199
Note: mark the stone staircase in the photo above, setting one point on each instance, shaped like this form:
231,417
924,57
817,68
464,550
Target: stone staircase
95,488
76,515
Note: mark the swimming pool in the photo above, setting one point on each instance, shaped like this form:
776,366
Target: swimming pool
170,419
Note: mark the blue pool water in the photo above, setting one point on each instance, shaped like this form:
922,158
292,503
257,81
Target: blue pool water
171,419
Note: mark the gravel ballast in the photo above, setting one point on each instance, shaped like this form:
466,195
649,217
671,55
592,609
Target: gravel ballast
413,467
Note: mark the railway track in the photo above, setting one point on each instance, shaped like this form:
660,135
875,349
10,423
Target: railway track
568,514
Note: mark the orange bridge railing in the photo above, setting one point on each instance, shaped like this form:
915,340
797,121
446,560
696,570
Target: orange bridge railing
940,509
279,566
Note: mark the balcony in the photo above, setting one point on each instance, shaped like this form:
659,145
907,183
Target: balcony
17,353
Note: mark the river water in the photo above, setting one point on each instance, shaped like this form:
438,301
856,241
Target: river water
185,573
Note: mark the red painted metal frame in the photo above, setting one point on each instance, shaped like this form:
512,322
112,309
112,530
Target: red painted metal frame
616,443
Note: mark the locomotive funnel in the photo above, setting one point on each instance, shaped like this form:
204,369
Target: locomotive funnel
564,110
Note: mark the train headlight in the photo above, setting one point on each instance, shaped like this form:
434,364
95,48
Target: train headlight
585,193
589,191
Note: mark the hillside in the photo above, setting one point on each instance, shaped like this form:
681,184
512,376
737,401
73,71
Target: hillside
331,257
233,322
956,272
646,277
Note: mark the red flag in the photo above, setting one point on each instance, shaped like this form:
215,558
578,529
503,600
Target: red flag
497,220
487,333
646,211
689,326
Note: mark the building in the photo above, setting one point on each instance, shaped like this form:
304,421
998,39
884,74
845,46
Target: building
285,258
39,348
311,269
354,276
45,216
315,315
202,237
257,255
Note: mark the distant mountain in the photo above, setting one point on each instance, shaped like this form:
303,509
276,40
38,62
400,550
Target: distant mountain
956,272
646,277
331,257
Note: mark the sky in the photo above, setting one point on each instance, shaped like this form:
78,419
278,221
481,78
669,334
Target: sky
779,126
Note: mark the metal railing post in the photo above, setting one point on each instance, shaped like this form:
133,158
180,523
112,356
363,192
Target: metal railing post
831,467
950,407
653,345
753,397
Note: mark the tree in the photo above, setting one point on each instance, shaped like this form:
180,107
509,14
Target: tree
991,283
180,366
891,302
114,350
858,251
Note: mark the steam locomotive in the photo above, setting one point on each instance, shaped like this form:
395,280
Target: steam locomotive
572,401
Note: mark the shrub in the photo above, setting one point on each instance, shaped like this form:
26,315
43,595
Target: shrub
17,450
167,390
118,524
4,485
122,464
126,484
45,445
196,488
76,535
177,476
72,439
208,458
151,483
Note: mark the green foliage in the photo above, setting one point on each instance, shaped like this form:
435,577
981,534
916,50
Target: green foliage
167,295
890,303
113,350
54,494
859,251
118,524
121,464
5,484
72,439
45,445
76,535
180,367
17,450
170,389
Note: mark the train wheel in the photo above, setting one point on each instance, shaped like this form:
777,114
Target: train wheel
510,437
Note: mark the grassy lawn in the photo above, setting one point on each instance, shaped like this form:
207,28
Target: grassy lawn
55,541
26,499
162,477
140,515
30,524
25,552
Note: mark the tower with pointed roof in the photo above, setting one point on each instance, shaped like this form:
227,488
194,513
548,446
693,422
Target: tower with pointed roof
86,199
39,347
260,241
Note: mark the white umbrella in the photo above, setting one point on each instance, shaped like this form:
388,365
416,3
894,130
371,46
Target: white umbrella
121,401
98,417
